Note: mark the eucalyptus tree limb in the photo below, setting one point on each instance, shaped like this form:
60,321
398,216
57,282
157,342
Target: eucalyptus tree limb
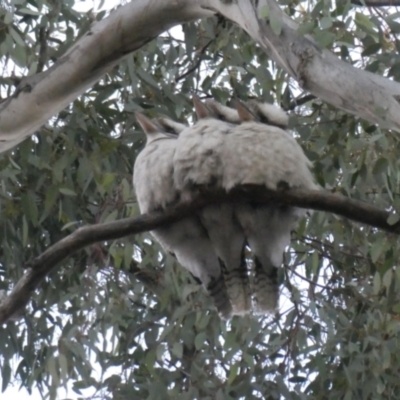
376,3
39,97
317,70
42,265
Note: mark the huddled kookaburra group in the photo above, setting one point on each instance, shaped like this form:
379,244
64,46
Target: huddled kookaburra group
225,148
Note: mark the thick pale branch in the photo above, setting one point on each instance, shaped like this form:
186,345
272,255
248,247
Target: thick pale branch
41,96
376,3
42,265
317,70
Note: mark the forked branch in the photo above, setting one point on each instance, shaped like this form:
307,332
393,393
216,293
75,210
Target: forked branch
108,42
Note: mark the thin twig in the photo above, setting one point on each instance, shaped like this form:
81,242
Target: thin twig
197,64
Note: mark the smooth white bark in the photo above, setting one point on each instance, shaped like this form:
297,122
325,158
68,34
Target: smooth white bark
317,70
41,96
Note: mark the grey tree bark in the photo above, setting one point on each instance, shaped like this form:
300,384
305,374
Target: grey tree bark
317,70
109,41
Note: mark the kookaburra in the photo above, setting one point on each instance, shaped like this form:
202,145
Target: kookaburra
198,164
197,160
260,151
186,239
268,154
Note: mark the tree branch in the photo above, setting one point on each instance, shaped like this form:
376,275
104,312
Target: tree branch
130,27
42,265
107,43
197,63
125,30
317,70
376,3
300,101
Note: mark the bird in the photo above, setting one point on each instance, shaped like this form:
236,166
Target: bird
268,154
187,239
261,151
197,165
267,113
197,161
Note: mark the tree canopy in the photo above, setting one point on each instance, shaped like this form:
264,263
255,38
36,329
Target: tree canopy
119,319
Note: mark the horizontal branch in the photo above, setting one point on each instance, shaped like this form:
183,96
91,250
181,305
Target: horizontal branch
41,266
376,3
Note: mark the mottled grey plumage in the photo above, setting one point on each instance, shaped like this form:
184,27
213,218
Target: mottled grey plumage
186,239
197,160
259,153
266,155
217,151
198,163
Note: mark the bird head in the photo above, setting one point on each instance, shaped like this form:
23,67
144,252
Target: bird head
263,113
213,109
269,114
169,126
160,128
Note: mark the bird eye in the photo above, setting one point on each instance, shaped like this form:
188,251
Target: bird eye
168,129
263,118
221,117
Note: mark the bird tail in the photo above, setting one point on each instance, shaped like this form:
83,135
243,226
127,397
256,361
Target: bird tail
265,288
229,243
217,290
238,287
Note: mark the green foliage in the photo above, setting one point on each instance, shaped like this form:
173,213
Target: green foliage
122,320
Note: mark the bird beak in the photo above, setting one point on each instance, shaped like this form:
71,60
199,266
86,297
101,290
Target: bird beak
147,125
245,114
202,111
